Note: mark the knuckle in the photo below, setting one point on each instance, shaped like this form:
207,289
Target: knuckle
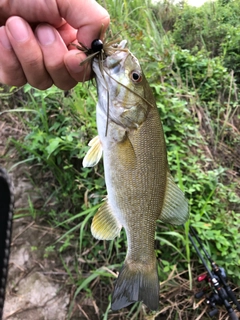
36,72
33,61
54,65
61,77
42,85
10,79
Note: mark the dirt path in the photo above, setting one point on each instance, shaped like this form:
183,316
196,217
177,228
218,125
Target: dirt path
36,283
35,287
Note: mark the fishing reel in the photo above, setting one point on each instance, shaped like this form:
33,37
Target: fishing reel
216,279
215,299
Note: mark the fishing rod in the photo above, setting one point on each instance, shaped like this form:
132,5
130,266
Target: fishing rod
217,278
6,217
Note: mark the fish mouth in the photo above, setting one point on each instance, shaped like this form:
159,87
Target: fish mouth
111,62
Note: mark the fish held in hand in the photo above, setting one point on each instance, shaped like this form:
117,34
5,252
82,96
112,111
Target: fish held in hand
139,185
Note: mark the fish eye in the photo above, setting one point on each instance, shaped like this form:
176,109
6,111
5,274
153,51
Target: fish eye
136,76
97,45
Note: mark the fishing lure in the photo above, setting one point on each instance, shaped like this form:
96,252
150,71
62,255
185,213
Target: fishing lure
99,48
96,48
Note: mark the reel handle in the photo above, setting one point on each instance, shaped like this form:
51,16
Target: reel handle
233,297
199,294
214,312
233,316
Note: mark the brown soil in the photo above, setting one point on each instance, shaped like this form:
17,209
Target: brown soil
35,284
35,288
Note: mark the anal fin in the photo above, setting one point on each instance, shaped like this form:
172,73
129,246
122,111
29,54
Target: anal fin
175,206
94,154
104,225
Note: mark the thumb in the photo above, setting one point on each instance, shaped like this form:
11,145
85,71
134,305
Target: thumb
87,16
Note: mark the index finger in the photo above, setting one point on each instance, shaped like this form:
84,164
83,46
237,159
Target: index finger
87,16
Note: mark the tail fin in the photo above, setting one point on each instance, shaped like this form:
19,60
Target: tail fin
136,284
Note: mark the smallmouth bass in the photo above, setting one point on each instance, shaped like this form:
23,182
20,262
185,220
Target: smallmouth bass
139,186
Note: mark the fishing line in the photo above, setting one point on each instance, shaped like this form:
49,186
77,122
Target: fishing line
100,62
123,85
105,49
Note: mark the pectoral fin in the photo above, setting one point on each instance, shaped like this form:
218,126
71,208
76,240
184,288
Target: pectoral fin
126,153
104,225
94,154
175,207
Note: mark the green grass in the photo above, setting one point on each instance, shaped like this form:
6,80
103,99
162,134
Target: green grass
198,122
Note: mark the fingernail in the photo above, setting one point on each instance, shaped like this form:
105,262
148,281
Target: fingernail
18,29
4,38
45,34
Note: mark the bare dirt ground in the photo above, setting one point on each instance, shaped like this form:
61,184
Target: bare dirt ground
35,284
35,288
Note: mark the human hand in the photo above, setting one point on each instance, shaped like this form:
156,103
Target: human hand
35,39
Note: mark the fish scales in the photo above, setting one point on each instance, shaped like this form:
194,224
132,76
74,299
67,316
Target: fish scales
139,196
139,185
